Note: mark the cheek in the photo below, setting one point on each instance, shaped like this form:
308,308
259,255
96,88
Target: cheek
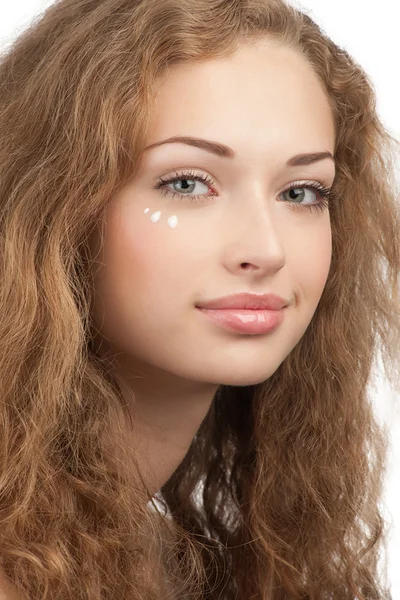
148,246
145,260
314,262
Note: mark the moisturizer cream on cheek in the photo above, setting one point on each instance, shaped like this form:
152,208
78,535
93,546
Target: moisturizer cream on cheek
172,221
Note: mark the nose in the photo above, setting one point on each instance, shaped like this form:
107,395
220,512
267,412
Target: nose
256,234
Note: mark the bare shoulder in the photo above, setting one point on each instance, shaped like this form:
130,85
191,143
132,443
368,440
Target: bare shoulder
7,589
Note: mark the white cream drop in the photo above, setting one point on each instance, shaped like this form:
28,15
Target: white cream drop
146,210
173,222
155,216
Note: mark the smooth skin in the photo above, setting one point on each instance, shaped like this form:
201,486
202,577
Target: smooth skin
267,105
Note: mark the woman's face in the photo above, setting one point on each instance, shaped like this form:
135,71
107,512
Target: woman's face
248,233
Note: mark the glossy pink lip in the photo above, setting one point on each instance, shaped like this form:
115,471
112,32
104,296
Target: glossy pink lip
245,321
246,301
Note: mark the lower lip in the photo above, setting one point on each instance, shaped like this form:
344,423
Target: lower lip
245,321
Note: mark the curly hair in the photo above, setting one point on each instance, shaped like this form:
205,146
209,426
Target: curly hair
278,496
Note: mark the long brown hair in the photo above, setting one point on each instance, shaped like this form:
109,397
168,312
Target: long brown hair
278,496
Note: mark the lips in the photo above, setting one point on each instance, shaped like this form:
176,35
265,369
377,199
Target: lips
246,301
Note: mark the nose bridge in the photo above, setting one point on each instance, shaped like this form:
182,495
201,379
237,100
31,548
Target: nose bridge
256,217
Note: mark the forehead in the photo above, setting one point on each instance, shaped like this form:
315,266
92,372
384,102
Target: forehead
263,93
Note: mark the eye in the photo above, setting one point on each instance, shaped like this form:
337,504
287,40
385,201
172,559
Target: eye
297,191
322,193
190,178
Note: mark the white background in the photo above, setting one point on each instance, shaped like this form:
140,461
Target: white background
369,32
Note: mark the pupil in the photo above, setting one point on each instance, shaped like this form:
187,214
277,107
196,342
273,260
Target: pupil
293,191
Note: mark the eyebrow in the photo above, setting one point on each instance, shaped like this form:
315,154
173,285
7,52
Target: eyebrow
226,152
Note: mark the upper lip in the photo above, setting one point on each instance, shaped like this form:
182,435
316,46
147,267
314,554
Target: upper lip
247,301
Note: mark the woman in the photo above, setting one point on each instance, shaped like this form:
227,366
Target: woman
157,443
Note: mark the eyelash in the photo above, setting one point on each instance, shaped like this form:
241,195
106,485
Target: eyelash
324,192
